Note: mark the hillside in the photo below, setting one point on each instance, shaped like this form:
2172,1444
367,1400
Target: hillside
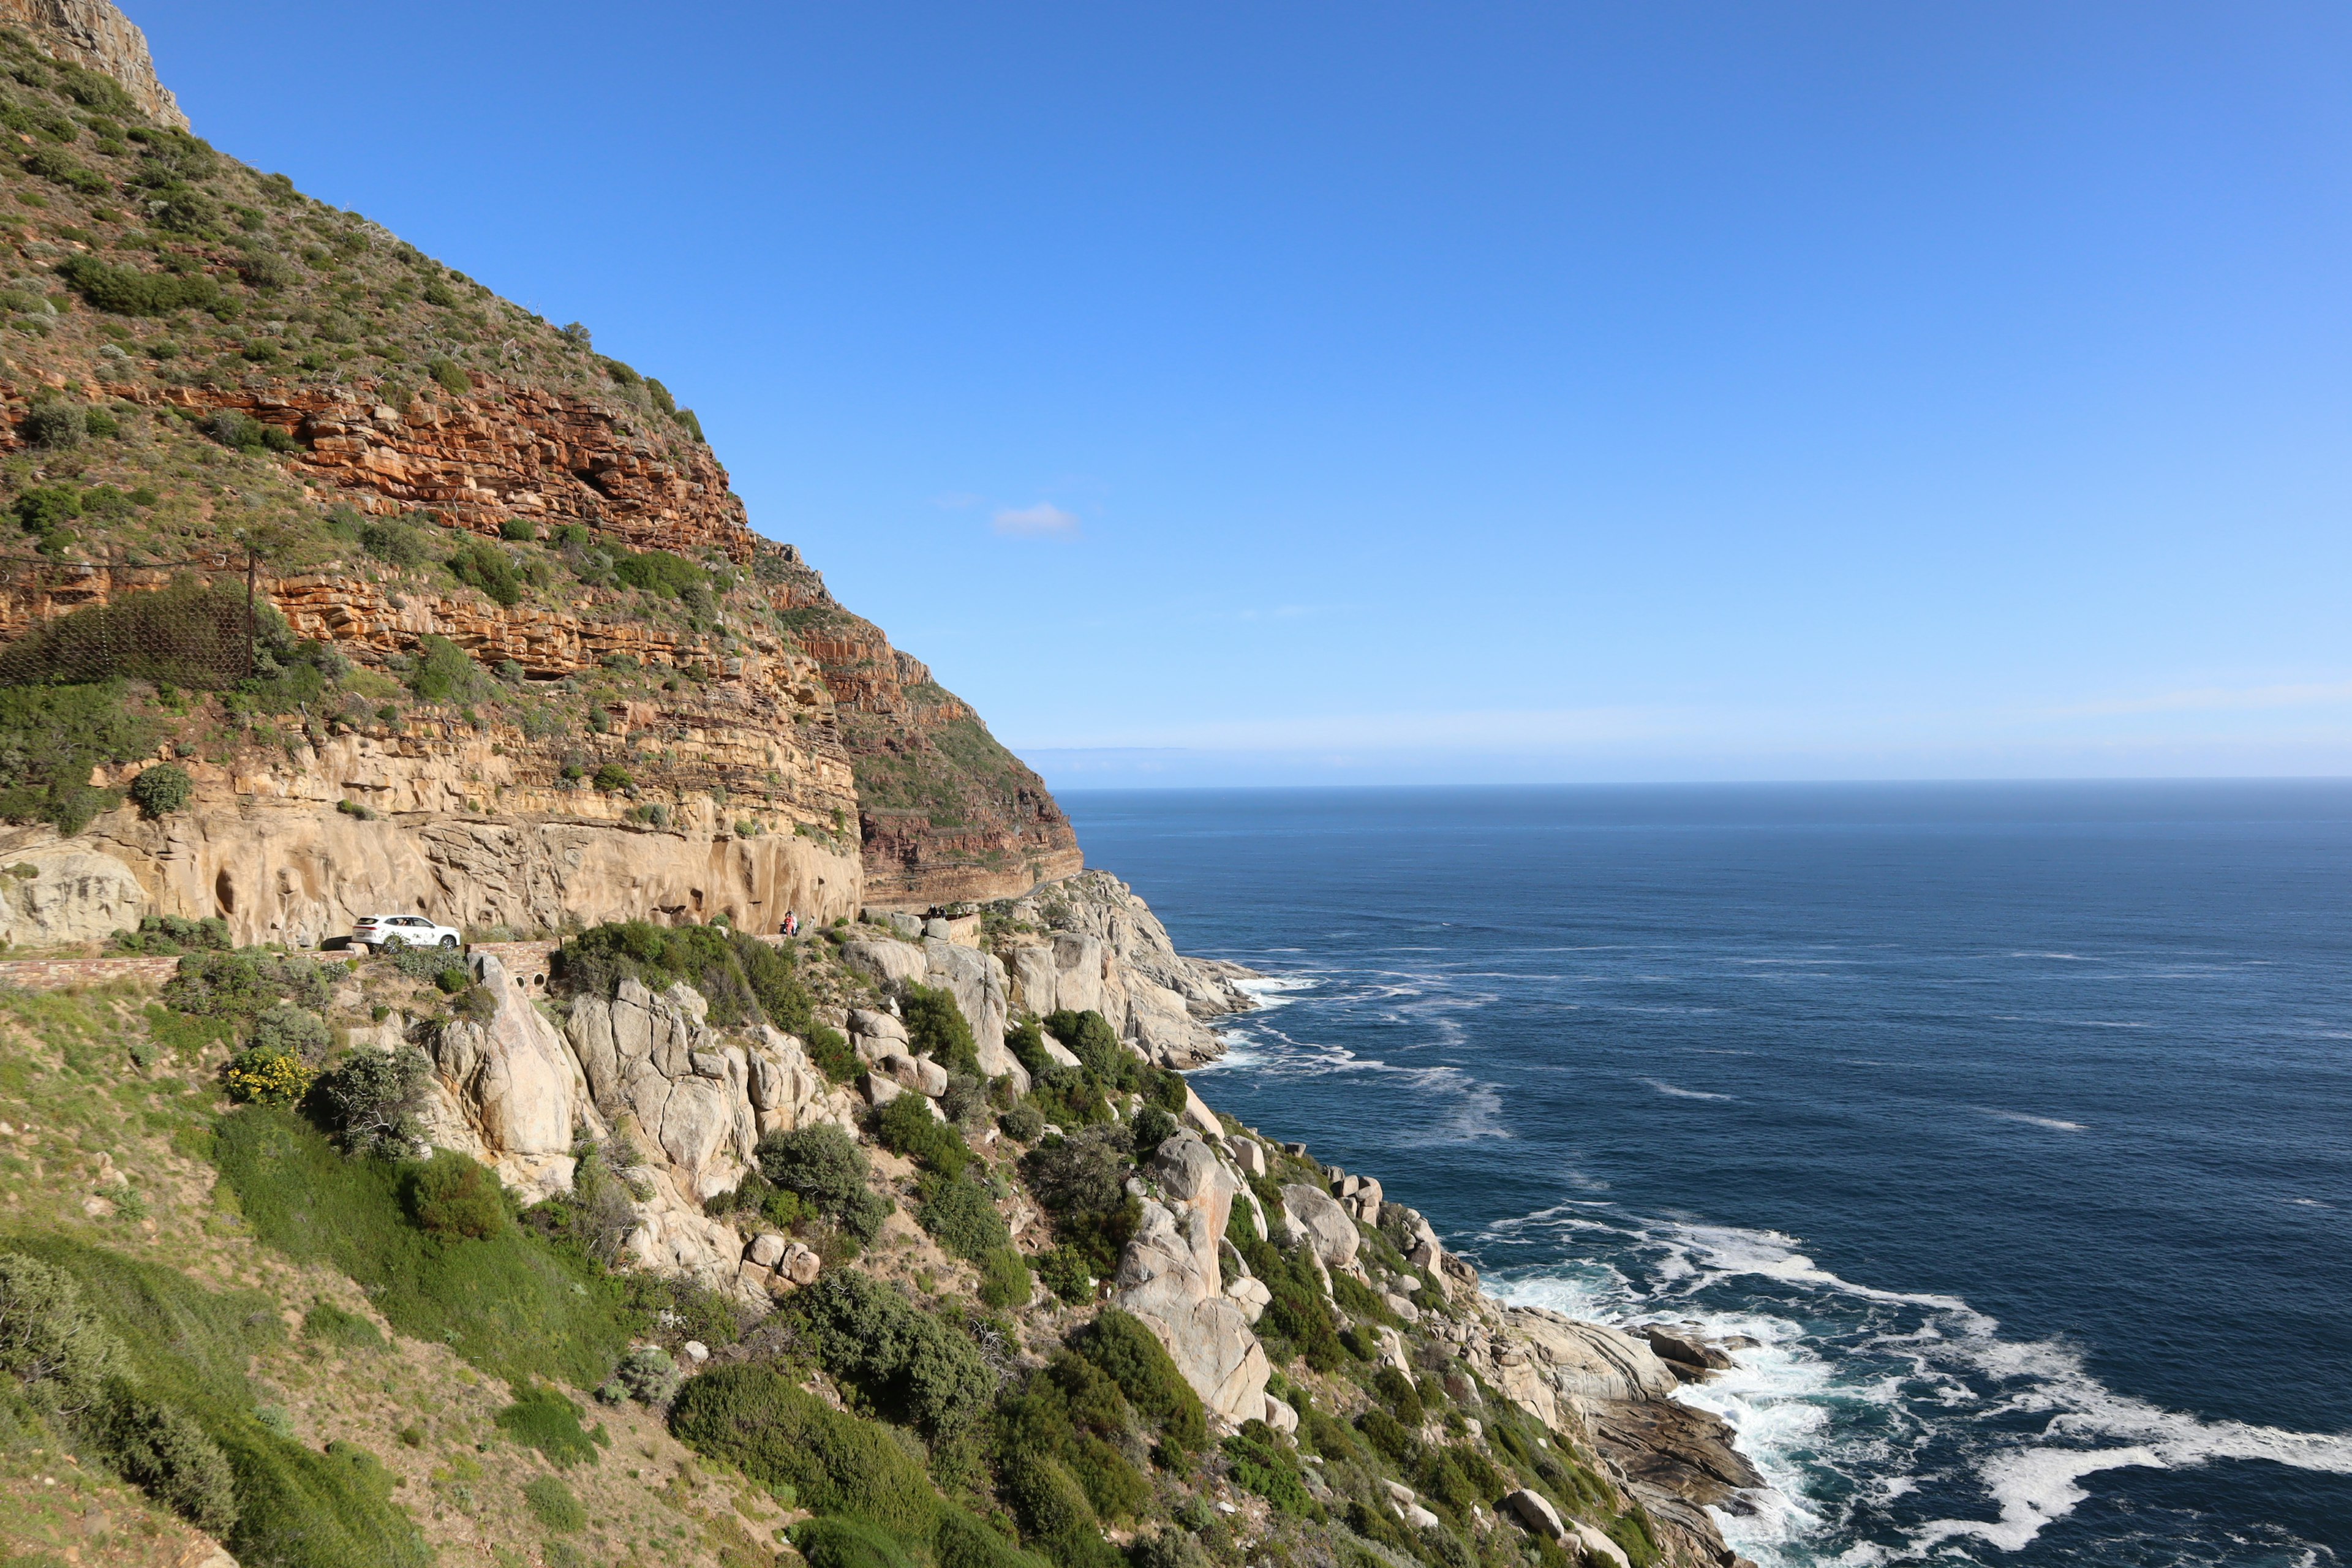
202,362
623,1229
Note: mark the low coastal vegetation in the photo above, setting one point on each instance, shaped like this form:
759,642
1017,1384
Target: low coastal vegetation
923,1401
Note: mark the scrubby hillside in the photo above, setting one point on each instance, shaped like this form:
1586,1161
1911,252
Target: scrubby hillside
201,366
970,1323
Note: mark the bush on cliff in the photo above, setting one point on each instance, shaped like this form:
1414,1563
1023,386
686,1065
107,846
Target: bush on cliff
823,1166
906,1126
1135,1360
910,1365
50,738
758,1420
746,980
936,1028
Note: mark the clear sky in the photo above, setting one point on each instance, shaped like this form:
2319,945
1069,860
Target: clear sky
1450,393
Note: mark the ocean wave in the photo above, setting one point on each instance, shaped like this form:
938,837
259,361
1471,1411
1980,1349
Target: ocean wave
1679,1093
1876,1415
2052,1122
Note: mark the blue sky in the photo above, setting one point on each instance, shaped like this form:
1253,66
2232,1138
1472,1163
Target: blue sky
1310,393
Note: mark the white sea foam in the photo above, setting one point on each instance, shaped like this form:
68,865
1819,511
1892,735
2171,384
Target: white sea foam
2052,1122
1670,1089
1855,1395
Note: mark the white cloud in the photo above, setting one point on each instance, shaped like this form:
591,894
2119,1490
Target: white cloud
1044,521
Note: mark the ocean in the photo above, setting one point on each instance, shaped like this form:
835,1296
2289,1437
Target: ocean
2014,1121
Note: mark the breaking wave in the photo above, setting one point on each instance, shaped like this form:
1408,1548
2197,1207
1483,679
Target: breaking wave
1891,1426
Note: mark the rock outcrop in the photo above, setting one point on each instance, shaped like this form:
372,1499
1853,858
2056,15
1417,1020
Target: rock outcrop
94,34
1168,1277
646,1070
1089,943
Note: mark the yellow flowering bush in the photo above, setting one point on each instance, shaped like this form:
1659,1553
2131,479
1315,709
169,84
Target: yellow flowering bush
261,1076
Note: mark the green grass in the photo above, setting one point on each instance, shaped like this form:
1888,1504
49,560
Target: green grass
553,1504
510,1304
190,1346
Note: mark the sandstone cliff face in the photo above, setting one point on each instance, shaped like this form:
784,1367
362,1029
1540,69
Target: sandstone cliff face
94,34
947,814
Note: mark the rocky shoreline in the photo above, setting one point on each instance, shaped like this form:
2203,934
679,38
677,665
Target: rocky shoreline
517,1090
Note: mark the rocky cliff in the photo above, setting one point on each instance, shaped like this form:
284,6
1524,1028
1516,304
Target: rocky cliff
93,34
200,363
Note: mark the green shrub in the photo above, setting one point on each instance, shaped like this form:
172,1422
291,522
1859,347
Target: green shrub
963,1542
50,738
234,428
1090,1037
449,374
553,1504
513,1305
660,573
760,1420
396,543
936,1028
49,1339
485,567
542,1418
1023,1124
1264,1464
54,423
906,1126
167,1454
912,1366
1135,1360
1153,1127
520,529
648,1373
370,1100
242,983
1005,1278
453,1197
162,790
169,936
823,1166
288,1030
124,292
45,509
443,673
960,1218
836,1542
612,777
1053,1510
330,1324
1393,1389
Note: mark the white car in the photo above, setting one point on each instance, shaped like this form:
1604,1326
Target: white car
390,934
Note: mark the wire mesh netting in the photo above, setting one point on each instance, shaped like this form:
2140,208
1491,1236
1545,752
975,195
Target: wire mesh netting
177,623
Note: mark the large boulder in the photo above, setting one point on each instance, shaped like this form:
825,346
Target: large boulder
505,1090
1168,1277
886,960
1161,1280
1590,1360
73,894
1318,1217
652,1060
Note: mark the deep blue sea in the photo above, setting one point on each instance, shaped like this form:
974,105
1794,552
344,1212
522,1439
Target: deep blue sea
2014,1121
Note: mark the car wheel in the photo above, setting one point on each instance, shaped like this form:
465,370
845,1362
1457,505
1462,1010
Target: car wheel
392,944
449,941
